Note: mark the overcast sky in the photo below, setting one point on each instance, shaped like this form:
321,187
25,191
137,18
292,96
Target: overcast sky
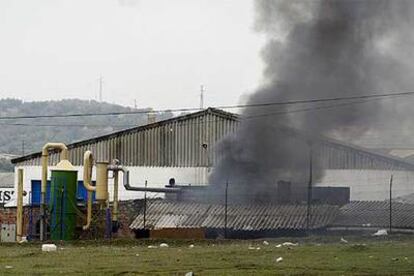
155,51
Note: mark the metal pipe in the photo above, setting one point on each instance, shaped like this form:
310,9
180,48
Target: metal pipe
102,181
87,171
115,210
116,168
152,189
87,183
145,189
45,156
19,215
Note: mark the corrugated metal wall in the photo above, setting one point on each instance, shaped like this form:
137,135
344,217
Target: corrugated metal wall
178,143
338,157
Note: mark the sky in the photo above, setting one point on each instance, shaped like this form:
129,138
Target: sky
154,52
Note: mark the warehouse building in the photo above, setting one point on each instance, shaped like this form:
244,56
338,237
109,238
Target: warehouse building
183,148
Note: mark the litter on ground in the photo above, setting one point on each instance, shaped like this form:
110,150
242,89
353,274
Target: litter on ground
278,260
289,244
49,247
381,232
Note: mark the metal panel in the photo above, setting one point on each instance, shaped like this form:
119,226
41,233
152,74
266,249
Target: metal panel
8,232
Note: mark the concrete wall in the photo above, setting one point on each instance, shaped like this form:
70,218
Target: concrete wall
156,177
370,184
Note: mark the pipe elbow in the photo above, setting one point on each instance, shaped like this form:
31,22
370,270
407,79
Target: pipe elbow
87,171
62,147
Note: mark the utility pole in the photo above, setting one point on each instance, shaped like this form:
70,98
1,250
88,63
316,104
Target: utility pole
202,90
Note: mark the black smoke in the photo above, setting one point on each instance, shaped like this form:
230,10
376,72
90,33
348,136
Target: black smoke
315,49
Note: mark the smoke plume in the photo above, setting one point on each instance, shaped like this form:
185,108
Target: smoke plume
315,49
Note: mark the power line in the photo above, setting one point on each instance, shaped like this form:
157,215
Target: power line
186,123
282,103
323,107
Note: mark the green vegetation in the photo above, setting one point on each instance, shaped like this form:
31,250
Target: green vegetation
16,132
310,257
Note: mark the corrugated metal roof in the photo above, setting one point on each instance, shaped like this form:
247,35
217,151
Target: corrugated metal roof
239,217
375,214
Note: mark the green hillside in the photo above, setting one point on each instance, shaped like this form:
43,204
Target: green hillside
24,136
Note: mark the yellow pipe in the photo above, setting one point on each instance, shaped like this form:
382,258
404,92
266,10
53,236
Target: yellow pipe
101,181
19,214
115,210
45,156
87,183
87,171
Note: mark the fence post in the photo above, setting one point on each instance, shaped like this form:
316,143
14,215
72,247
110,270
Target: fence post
391,203
145,205
225,209
308,210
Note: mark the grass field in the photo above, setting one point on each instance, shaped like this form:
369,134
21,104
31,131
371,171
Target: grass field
313,256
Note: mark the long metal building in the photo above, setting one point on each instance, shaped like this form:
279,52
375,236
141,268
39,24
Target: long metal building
184,148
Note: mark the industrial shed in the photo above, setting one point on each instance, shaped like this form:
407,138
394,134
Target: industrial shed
183,148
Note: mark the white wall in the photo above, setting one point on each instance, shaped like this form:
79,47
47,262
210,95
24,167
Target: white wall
365,184
370,184
6,195
156,177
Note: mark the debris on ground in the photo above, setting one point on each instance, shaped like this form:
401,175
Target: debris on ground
278,260
252,248
381,232
290,244
137,255
23,240
163,245
191,246
152,246
49,247
265,242
279,246
189,273
8,267
343,240
257,248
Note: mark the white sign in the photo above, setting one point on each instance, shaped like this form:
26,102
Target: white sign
6,195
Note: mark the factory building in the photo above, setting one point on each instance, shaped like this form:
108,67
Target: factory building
183,148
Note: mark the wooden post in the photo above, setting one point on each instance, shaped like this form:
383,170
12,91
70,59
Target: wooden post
19,215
